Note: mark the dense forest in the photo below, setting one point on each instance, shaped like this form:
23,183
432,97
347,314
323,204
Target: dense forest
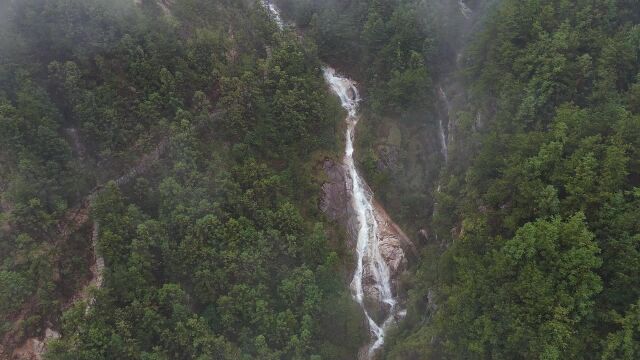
161,167
539,206
534,229
217,250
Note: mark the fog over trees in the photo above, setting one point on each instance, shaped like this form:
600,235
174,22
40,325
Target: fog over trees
172,182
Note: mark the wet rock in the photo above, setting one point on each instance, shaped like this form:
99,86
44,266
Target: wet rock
378,311
353,94
334,202
397,241
393,255
336,198
393,243
431,302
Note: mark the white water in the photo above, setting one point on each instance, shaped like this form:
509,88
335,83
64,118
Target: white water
465,10
274,12
443,137
370,262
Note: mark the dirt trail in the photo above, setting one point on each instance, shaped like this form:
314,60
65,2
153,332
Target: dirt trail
72,221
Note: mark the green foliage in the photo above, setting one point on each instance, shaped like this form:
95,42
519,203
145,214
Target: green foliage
14,290
234,267
553,172
623,344
220,252
381,42
289,80
533,291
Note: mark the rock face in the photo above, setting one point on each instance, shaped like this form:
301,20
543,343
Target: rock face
336,199
384,258
334,202
393,242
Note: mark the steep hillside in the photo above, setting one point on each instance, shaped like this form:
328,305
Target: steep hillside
178,181
208,243
538,205
523,181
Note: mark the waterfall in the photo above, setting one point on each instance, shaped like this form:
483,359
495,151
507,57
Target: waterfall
274,12
443,141
443,137
465,10
371,265
369,259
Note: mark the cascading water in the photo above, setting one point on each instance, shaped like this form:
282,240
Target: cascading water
465,10
443,137
274,12
370,260
371,265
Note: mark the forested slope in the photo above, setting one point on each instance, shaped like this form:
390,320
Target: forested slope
390,48
540,202
533,231
217,250
528,228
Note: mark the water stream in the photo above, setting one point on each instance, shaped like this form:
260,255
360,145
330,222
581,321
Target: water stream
443,138
369,259
274,12
371,285
465,10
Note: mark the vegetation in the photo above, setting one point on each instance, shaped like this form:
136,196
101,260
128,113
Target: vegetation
542,222
383,43
218,252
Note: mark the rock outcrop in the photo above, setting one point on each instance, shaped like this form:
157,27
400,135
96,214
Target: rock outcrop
394,244
335,195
